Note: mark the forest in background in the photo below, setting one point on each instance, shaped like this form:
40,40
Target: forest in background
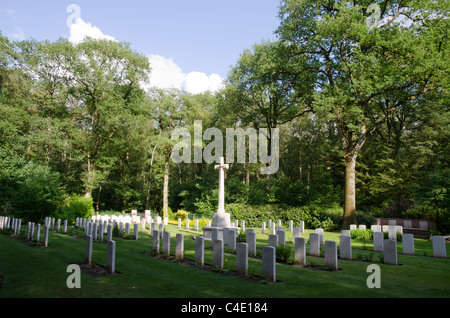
362,111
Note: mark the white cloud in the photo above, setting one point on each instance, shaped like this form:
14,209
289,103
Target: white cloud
19,35
80,29
198,82
166,73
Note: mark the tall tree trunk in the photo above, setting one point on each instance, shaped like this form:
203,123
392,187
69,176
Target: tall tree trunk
147,199
166,188
300,158
90,171
349,192
97,204
352,149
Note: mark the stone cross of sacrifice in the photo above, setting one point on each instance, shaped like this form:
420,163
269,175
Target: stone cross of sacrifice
221,166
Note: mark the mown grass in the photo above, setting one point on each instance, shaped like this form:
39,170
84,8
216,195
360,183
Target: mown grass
29,272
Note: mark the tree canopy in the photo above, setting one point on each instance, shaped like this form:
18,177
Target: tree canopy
358,90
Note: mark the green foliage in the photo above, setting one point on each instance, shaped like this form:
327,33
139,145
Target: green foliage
81,206
35,191
181,215
365,235
107,138
129,237
284,252
313,216
241,237
116,231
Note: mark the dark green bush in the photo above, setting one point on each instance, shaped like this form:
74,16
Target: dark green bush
38,194
129,237
365,235
241,237
314,217
284,252
81,206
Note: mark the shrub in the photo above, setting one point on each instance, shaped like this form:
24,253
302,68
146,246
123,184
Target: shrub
314,216
81,206
129,237
365,235
241,237
38,194
181,215
283,252
116,231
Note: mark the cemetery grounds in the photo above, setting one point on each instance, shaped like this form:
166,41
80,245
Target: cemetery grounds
30,270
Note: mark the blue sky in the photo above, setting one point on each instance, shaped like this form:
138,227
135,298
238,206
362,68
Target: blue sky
182,38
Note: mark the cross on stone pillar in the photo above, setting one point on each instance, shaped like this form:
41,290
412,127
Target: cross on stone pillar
221,166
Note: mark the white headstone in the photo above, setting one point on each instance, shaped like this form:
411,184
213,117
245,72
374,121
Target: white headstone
314,244
375,228
439,249
300,250
408,244
331,254
390,252
251,241
345,247
199,250
242,258
320,232
232,239
378,238
423,225
88,255
155,241
218,254
281,237
273,240
166,243
111,257
296,232
179,246
268,261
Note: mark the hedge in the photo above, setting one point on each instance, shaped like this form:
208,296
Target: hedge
329,219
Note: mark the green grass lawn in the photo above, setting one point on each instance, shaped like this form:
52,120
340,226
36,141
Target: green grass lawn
30,272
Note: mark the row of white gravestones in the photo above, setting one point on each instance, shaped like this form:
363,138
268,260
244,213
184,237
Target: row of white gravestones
98,227
7,222
196,227
278,226
268,254
392,229
147,219
110,252
15,224
389,246
268,259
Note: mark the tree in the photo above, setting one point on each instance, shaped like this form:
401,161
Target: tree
106,95
169,113
367,74
268,87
